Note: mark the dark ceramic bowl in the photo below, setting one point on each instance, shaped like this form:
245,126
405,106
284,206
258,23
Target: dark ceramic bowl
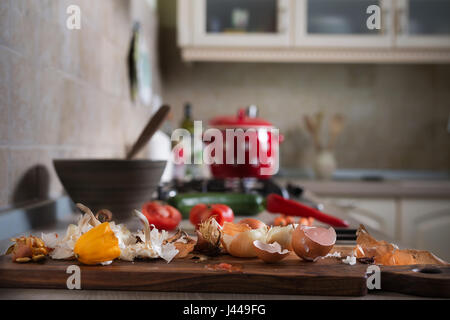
117,185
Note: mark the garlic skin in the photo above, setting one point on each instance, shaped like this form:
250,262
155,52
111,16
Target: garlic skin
153,245
63,248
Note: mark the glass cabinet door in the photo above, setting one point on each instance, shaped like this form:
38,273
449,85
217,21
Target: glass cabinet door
342,23
242,22
423,23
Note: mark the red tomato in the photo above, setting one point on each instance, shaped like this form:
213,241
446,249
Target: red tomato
162,216
202,212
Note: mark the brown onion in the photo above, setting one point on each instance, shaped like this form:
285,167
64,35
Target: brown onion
238,239
253,223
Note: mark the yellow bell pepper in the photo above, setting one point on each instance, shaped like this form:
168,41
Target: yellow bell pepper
97,245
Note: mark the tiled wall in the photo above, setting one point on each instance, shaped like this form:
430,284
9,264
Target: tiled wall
64,93
397,115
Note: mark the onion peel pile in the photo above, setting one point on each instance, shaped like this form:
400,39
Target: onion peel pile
388,254
145,244
183,243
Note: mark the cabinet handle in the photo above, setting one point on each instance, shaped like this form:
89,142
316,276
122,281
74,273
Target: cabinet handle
282,11
398,20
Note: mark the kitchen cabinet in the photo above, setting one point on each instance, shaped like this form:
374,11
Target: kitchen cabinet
241,23
341,23
425,224
423,23
378,214
411,31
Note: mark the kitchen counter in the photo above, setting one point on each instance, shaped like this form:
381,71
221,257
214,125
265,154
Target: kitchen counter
420,189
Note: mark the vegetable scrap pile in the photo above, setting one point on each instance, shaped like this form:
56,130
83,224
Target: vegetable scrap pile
92,242
96,240
388,254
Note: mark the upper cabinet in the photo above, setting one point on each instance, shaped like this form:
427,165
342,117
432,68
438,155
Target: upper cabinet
342,23
315,30
423,23
242,23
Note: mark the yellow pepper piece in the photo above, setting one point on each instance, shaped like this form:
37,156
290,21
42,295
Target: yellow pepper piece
97,245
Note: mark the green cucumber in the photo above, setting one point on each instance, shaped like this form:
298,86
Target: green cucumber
242,204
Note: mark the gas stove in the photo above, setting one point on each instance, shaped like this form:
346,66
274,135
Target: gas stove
263,187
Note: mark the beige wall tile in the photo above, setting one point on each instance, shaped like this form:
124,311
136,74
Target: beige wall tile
62,93
4,169
4,22
4,95
23,79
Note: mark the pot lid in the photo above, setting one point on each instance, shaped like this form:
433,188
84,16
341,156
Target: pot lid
240,120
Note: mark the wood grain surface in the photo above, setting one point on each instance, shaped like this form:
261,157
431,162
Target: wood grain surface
292,276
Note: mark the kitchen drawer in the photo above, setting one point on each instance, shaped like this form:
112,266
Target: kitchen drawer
378,214
425,225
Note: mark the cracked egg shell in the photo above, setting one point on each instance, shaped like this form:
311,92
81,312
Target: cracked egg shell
311,243
270,252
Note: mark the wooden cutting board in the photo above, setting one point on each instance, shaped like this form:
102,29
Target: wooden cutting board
326,277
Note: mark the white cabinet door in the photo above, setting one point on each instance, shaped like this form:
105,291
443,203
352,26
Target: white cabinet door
242,23
342,23
426,225
422,23
378,214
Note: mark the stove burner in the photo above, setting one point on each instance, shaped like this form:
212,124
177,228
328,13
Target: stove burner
245,185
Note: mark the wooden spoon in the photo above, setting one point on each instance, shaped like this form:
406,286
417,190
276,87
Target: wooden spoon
153,125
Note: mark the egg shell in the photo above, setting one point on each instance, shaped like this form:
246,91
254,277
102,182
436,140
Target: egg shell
269,257
311,243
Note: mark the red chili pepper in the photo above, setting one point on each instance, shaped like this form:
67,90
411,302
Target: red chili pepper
277,204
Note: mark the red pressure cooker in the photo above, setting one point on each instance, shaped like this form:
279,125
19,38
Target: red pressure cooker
260,146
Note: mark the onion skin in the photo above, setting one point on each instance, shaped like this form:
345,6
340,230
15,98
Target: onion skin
269,257
253,223
282,235
308,249
241,244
